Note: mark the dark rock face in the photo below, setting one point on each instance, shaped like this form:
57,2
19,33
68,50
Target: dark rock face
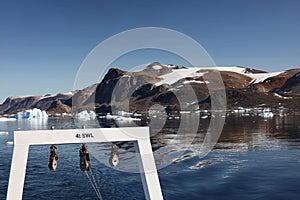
249,98
291,86
275,82
138,91
58,107
45,102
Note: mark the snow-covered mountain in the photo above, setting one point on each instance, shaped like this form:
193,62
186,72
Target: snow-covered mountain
167,85
244,86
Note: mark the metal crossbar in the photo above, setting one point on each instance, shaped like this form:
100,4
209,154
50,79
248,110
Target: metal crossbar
141,136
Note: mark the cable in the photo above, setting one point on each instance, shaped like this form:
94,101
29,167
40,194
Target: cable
94,187
97,187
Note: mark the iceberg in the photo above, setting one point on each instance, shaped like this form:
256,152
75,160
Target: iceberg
267,113
93,115
85,115
31,114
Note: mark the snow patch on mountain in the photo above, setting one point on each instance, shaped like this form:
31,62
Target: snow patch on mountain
194,81
156,67
257,77
178,74
278,95
182,73
261,77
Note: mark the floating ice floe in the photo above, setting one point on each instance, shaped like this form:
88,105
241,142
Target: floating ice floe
62,114
9,142
121,118
5,119
31,114
204,116
85,115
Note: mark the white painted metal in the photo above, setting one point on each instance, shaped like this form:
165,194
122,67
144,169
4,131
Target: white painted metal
23,139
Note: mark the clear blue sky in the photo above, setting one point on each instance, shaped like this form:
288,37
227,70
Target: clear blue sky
42,43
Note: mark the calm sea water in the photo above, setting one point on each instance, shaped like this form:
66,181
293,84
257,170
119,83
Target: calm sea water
255,158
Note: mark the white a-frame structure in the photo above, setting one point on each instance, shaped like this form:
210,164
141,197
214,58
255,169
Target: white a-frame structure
141,136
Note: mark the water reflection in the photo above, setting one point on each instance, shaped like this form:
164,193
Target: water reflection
240,134
263,151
